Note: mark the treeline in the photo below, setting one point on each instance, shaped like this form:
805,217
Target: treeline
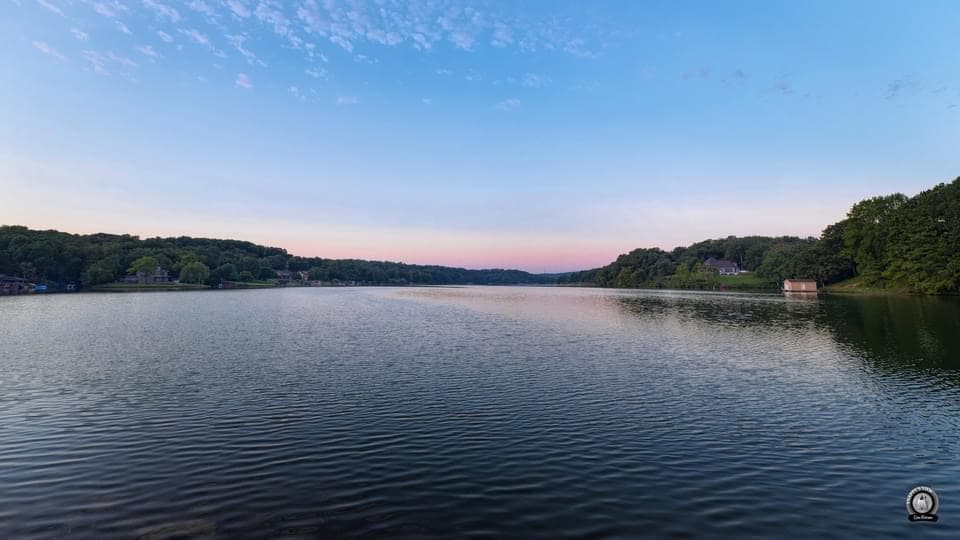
59,258
892,241
683,266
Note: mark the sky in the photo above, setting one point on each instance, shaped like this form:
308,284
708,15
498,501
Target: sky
543,135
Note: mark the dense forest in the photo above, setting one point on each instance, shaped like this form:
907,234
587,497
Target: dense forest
58,258
889,242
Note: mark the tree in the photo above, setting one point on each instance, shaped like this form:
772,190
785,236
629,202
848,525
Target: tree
318,274
226,272
144,266
246,275
251,265
866,233
194,272
97,273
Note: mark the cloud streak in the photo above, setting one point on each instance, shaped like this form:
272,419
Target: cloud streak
162,10
43,47
50,7
508,104
243,81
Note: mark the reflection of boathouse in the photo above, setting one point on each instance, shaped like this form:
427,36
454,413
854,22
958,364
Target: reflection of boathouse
14,285
799,285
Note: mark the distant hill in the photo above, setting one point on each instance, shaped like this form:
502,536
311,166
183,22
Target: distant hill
58,257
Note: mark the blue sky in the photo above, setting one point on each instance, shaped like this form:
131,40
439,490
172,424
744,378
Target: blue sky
542,135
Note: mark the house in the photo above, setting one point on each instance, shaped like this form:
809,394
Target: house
303,276
283,276
157,276
724,268
147,278
800,285
10,285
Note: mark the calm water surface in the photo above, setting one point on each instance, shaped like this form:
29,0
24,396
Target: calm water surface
482,412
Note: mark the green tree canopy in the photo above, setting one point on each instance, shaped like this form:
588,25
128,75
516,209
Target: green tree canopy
144,265
194,272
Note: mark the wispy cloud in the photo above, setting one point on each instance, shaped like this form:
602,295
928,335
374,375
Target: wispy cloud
202,8
200,38
196,36
238,8
316,73
108,9
162,10
578,47
508,104
425,25
149,51
43,47
237,41
97,62
270,13
347,100
534,80
307,27
502,35
50,7
463,39
122,60
295,92
243,81
427,101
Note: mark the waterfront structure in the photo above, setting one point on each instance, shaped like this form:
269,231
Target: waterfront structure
10,285
159,275
800,285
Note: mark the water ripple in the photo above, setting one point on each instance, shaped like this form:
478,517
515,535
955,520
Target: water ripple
474,412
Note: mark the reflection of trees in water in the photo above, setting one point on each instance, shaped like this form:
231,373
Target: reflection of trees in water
923,332
767,312
891,332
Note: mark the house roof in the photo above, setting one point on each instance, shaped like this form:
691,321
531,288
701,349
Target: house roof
4,277
800,280
719,262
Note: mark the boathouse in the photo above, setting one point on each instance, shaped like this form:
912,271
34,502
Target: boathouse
13,285
800,285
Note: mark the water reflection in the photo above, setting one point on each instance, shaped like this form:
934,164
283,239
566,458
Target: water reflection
917,333
898,331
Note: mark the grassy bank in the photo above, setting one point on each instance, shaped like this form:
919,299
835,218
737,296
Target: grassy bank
249,284
136,287
741,282
746,282
858,285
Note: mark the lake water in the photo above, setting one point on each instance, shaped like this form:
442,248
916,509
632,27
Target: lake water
476,411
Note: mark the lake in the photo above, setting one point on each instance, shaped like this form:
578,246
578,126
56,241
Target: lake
476,412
